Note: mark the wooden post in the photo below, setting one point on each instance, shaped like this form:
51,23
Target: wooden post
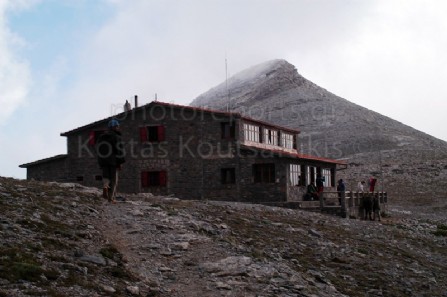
343,204
385,202
360,210
321,201
351,202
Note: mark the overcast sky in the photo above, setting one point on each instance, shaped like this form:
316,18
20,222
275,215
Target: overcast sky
66,63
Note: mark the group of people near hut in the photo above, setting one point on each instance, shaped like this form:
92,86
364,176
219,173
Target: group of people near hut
369,202
371,185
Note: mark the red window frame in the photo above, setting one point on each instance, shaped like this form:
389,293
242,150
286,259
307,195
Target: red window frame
152,133
153,179
93,136
264,173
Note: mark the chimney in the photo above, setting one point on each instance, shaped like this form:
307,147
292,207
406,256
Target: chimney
136,101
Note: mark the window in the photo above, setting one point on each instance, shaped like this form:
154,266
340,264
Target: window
228,130
228,175
79,178
251,132
98,177
270,136
152,133
287,140
296,178
327,175
311,175
153,179
264,173
94,136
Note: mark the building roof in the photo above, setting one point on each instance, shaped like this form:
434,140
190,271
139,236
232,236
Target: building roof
178,106
46,160
229,114
295,155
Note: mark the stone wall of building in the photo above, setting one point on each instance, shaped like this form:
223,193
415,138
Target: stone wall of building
83,165
197,162
53,170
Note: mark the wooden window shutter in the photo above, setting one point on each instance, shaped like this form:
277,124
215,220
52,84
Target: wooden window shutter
161,133
223,130
145,179
163,178
91,138
143,134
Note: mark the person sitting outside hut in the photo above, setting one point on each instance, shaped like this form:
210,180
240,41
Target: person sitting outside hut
312,192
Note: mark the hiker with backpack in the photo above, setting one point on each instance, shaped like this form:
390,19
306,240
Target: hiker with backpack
110,154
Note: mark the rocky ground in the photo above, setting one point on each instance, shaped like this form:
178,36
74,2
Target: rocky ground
64,240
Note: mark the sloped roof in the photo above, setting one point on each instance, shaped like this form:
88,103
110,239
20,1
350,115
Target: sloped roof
42,161
295,155
178,106
229,114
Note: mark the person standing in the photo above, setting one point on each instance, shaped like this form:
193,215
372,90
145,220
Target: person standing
110,153
376,208
320,185
372,183
340,188
361,186
367,206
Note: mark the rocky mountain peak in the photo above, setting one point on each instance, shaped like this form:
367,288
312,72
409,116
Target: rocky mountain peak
274,91
251,85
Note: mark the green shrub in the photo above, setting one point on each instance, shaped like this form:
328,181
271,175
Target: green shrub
24,271
440,232
110,252
120,272
363,251
51,274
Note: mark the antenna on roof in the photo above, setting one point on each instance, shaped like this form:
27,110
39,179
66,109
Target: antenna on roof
226,83
156,97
